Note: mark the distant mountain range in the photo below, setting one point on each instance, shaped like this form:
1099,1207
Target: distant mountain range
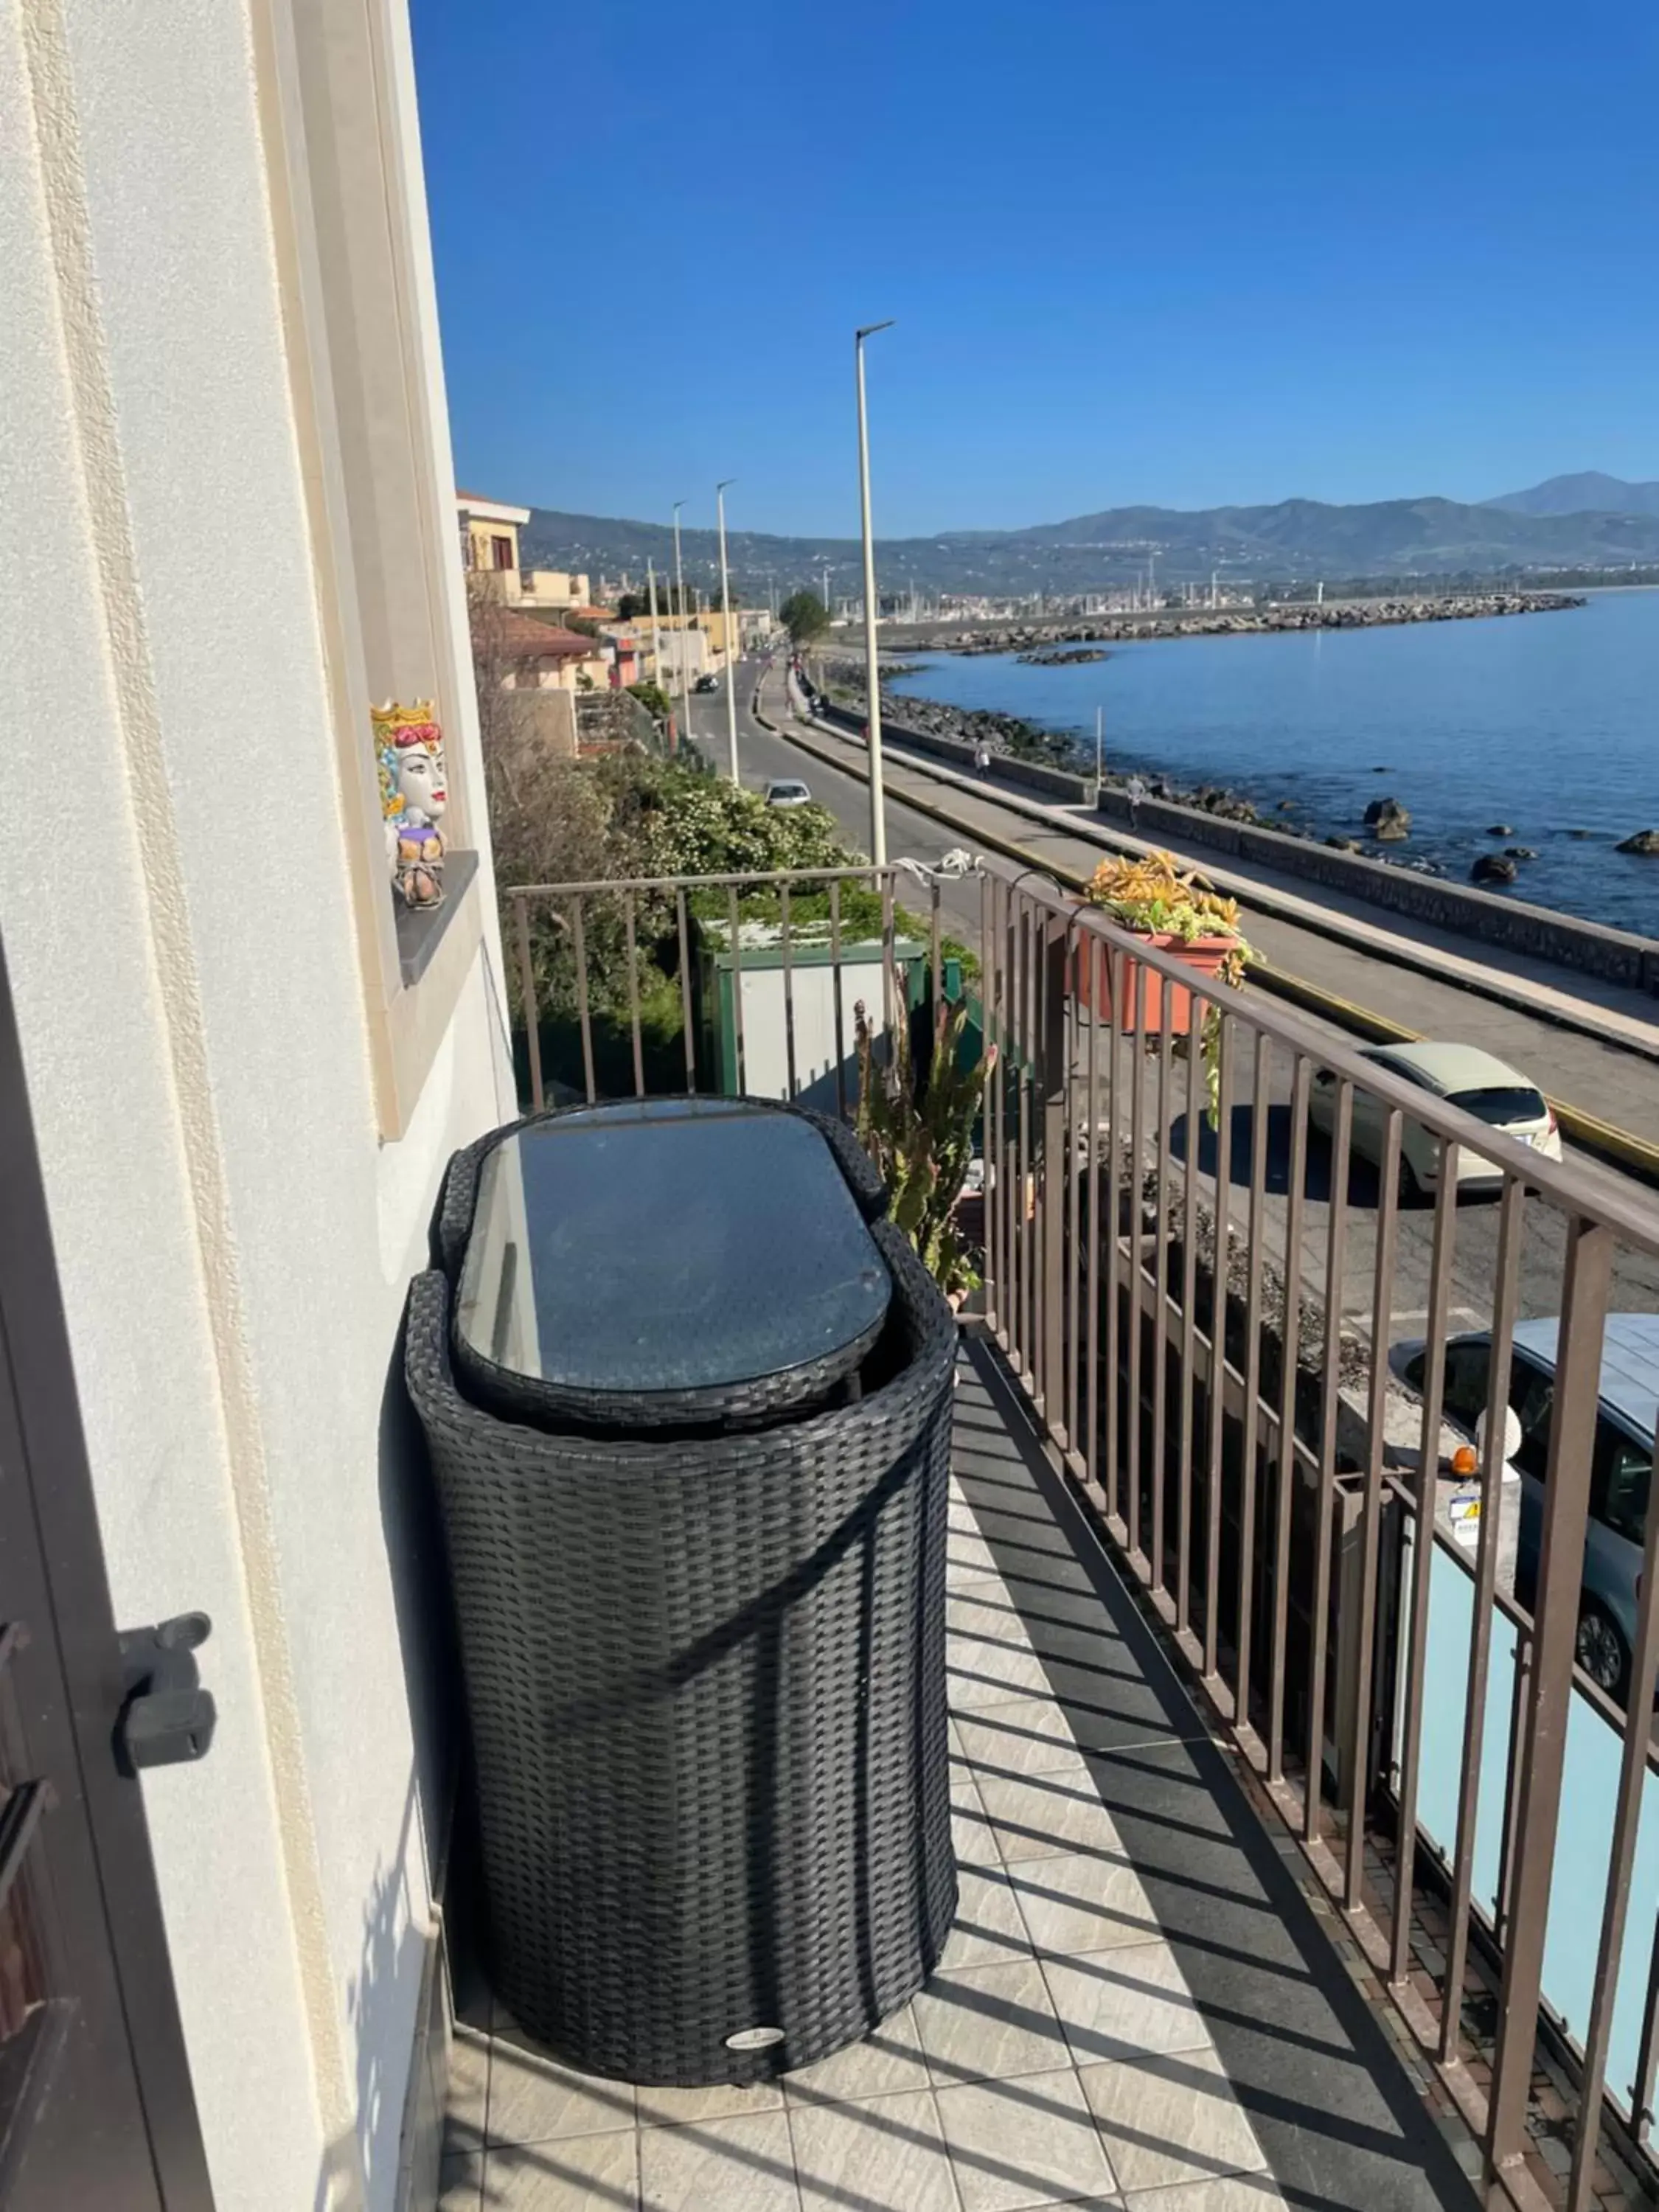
1588,522
1588,492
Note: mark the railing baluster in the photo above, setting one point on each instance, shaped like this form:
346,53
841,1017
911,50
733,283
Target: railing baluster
532,1015
1358,1777
634,993
835,993
1507,1292
739,1070
1189,1315
1336,1255
1090,949
1220,1268
889,990
1056,1120
1137,1252
689,1028
789,994
1027,1207
579,932
1615,1911
1560,1570
1160,1297
1417,1639
1075,1165
990,1034
1290,1338
1242,1642
1113,974
936,935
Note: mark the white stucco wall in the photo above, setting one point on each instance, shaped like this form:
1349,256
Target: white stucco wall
233,1238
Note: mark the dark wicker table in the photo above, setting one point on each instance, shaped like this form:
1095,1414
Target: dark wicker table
705,1671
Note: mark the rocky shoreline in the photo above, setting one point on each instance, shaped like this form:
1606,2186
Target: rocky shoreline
1030,640
1384,828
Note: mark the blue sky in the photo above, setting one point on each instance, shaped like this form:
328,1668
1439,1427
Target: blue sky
1185,254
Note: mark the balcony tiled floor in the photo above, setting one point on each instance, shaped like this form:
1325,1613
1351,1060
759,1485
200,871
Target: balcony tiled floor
1137,2007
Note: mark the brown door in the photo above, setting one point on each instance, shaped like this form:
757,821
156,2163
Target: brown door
96,2112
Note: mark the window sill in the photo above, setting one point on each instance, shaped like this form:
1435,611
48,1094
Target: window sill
420,928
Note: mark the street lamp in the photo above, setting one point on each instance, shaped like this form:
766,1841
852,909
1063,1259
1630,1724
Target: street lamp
682,631
726,603
871,681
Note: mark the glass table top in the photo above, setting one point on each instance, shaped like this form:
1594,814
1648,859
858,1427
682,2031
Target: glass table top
666,1244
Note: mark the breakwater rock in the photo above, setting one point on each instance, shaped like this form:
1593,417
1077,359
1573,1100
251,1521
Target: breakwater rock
1032,638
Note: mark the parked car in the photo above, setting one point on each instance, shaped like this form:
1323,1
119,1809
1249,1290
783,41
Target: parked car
707,684
1460,1074
1620,1470
784,791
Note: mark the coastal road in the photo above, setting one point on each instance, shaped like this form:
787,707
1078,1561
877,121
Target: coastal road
763,755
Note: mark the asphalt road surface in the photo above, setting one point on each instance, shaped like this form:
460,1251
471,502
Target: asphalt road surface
763,756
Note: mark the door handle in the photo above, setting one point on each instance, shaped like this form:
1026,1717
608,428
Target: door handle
167,1717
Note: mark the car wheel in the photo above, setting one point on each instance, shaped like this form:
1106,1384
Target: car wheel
1602,1651
1411,1188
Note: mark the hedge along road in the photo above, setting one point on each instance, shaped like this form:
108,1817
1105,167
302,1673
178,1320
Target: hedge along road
766,753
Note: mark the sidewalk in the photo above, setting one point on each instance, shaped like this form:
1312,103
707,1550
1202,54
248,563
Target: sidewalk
1138,2007
1372,965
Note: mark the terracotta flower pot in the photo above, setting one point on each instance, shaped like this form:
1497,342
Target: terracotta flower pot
1170,1009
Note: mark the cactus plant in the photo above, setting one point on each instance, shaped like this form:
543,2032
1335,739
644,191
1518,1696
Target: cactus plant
921,1137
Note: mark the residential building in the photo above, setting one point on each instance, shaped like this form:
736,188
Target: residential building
528,654
561,590
490,540
231,1072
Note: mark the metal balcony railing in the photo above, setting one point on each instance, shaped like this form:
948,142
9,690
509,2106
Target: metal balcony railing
1199,1297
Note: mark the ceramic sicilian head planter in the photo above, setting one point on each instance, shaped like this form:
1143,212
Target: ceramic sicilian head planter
410,748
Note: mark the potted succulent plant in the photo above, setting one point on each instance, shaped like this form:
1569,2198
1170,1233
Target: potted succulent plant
1180,914
919,1133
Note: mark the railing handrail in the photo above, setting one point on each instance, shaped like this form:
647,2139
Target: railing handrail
671,883
1631,1214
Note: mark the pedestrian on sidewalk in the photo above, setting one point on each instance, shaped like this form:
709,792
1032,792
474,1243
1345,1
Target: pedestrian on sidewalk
982,758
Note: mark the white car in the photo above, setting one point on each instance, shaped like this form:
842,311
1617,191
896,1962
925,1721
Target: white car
1460,1074
786,792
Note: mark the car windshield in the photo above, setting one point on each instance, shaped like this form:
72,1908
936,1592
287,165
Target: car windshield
788,791
1499,1104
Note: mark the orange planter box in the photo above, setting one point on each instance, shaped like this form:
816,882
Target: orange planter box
1170,1009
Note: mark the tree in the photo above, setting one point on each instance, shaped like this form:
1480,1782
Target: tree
804,615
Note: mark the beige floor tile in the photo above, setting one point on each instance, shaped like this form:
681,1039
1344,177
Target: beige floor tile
533,2098
984,2022
889,2060
673,2108
987,1924
1042,1815
1170,2119
967,1558
1024,2143
1115,2004
744,2165
1239,2193
973,1839
1029,1737
886,2154
460,2183
581,2173
989,1657
469,2084
1080,1901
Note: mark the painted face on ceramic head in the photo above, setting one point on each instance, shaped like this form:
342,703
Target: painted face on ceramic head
421,783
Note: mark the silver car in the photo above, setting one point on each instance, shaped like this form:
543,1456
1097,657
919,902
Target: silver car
1620,1472
785,791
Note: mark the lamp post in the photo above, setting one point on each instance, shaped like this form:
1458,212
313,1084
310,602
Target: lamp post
682,632
726,603
871,680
